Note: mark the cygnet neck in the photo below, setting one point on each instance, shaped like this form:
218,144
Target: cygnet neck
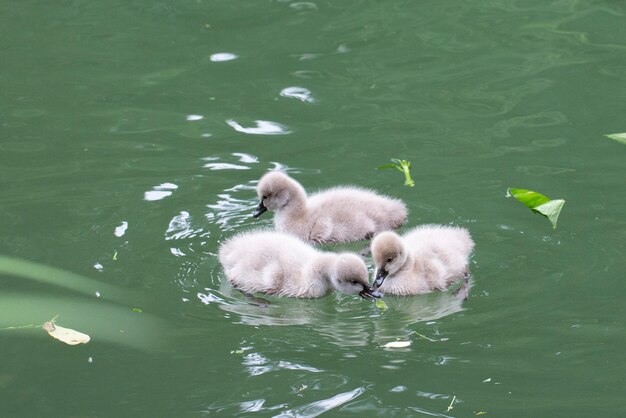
409,261
322,268
296,205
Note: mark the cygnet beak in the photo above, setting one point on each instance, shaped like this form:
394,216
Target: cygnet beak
259,210
369,293
381,274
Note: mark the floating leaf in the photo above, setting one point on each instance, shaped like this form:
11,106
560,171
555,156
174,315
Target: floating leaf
539,203
397,344
480,413
386,166
138,310
402,165
67,335
621,137
380,304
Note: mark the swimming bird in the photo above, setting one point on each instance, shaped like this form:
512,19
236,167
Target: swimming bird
281,264
339,214
426,258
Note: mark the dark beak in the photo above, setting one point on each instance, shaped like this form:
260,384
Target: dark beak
381,274
259,210
369,293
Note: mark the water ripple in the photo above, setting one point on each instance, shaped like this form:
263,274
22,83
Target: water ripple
160,192
317,408
257,364
246,158
121,229
263,127
180,227
223,56
299,93
225,166
229,211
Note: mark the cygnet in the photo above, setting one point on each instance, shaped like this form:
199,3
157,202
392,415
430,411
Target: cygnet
426,258
283,265
339,214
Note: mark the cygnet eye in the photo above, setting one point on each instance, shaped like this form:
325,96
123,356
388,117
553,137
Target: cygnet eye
355,282
389,260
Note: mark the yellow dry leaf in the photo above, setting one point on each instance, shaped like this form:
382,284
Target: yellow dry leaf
67,335
397,344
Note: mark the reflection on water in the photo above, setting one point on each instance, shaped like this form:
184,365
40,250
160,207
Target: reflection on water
344,320
121,229
299,93
222,56
316,408
103,321
160,192
263,127
180,227
257,364
229,211
307,410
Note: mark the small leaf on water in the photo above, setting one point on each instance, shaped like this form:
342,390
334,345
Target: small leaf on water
401,165
527,197
397,344
115,256
551,210
480,413
67,335
138,310
539,203
621,137
380,304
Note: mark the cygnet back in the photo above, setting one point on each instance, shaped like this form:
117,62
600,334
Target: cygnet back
281,264
339,214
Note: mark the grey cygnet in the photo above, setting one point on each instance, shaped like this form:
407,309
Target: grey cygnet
339,214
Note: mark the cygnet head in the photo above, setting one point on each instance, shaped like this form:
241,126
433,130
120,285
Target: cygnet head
350,276
275,191
389,254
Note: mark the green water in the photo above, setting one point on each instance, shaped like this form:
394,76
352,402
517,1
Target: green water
130,148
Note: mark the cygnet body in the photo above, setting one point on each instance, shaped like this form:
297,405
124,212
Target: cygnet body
283,265
426,258
339,214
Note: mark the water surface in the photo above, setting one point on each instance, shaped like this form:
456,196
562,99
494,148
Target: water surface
133,134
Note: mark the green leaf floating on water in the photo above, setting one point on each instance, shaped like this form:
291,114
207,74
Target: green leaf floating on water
402,165
621,137
539,203
380,304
